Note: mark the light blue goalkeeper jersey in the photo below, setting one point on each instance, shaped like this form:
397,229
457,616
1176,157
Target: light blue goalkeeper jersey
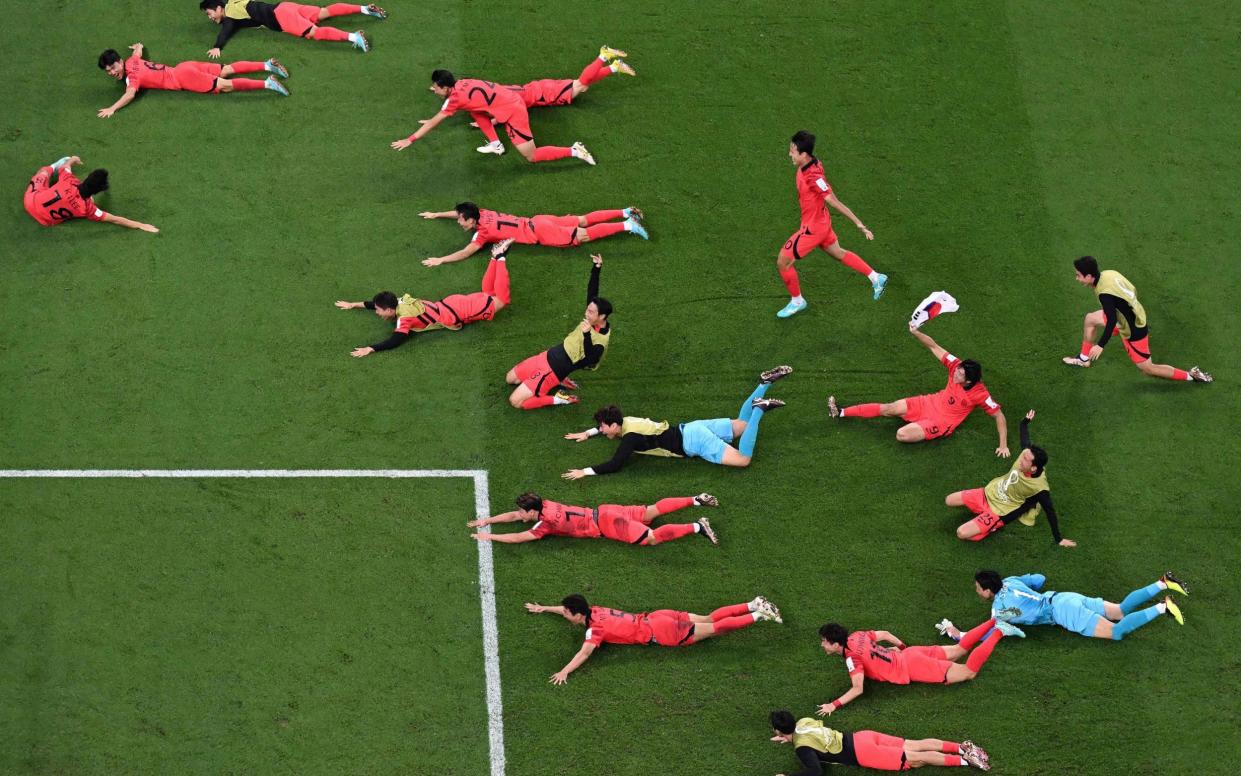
1023,593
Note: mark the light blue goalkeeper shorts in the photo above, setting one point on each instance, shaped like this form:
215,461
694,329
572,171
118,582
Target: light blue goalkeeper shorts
707,439
1076,612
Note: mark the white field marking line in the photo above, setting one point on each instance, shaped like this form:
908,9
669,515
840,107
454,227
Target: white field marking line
486,568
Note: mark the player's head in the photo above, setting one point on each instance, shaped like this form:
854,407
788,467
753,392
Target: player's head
1032,461
111,63
528,503
832,637
597,312
96,182
967,374
442,82
576,610
987,584
608,421
801,147
385,305
467,216
214,10
1087,270
783,723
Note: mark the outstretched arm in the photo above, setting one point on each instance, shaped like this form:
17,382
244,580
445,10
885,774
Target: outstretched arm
888,637
431,123
541,609
227,28
469,250
928,343
859,680
438,214
836,203
123,221
610,466
1024,428
1001,426
503,517
511,538
126,98
583,654
592,287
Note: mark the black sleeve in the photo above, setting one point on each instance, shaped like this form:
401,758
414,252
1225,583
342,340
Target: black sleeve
592,288
369,305
623,451
592,352
397,339
811,766
227,28
1109,321
1025,433
1042,499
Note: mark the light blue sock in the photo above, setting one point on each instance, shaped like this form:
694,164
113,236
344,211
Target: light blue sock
750,436
1139,597
61,162
1132,622
748,405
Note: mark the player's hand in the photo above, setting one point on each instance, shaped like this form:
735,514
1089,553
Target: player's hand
535,608
362,352
73,161
1067,543
578,436
560,677
1002,451
342,304
148,228
402,144
481,537
479,523
136,47
1096,352
826,710
428,214
106,112
213,53
585,326
597,259
1030,415
434,261
866,232
574,474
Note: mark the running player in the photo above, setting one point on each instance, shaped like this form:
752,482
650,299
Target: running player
550,92
1018,495
292,18
865,658
814,194
414,315
538,376
490,226
1122,314
201,77
936,415
816,745
631,525
706,439
665,627
67,199
497,104
1021,600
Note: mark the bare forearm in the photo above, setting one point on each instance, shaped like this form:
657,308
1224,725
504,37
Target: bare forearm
126,98
836,203
512,538
1001,427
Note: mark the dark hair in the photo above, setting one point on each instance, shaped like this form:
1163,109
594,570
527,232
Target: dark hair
610,414
385,299
834,633
973,372
96,182
576,604
208,4
1040,458
467,210
989,580
443,78
530,500
602,305
804,142
109,57
783,722
1087,266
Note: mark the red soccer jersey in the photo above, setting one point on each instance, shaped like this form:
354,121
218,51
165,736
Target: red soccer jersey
63,202
141,74
560,520
883,664
612,626
475,96
494,227
955,403
812,187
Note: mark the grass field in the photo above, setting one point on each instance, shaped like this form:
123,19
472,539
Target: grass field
333,627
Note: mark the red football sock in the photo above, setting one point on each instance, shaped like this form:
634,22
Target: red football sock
950,747
968,640
599,231
534,402
724,612
245,84
247,67
855,263
983,651
791,281
551,153
485,126
862,410
666,505
952,760
489,278
733,623
666,533
329,33
1084,353
597,70
599,216
501,289
1180,374
341,9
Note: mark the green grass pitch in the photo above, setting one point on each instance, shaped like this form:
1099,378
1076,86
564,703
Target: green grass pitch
333,627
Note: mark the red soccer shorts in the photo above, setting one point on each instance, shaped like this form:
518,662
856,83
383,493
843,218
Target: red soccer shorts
879,750
555,231
1139,350
549,91
37,185
670,628
920,410
806,239
197,76
987,521
624,524
536,374
517,126
468,308
297,19
926,664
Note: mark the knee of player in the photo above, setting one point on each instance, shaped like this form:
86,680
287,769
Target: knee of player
904,435
511,378
948,503
743,461
516,401
968,674
963,532
783,260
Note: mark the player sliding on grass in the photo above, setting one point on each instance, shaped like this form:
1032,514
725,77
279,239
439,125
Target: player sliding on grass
629,524
865,658
1021,600
490,226
665,627
538,376
817,745
706,439
413,315
67,199
292,18
497,104
1122,314
814,194
201,77
936,415
1020,494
